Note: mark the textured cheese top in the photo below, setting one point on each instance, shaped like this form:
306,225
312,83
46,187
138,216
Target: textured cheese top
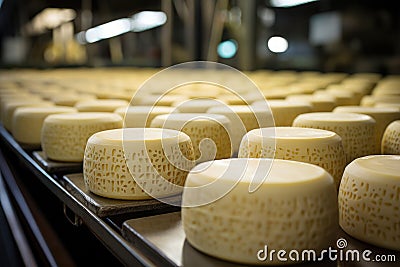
282,172
383,166
335,117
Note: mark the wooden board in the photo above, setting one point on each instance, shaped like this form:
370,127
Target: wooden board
56,167
104,207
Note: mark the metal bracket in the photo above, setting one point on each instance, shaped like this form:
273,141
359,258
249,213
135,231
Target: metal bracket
76,221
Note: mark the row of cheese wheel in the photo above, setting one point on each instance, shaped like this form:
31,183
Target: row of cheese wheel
136,162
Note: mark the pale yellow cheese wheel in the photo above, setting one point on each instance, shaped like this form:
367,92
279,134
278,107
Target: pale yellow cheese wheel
369,200
137,163
391,139
318,103
210,133
315,146
100,105
28,121
356,130
64,136
141,116
295,207
196,105
285,112
9,108
382,116
243,119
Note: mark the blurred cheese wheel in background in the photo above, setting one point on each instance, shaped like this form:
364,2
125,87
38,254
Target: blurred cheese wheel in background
70,99
196,105
141,116
243,118
100,105
369,200
210,133
319,103
9,108
127,163
28,121
391,139
356,130
295,208
64,136
382,116
285,112
315,146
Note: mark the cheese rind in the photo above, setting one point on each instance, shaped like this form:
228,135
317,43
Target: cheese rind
64,136
238,225
369,200
315,146
209,133
137,163
391,139
356,130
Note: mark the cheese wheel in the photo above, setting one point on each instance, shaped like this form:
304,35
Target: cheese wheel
285,112
356,130
319,147
100,105
295,207
141,116
64,136
243,118
391,139
318,103
369,200
9,108
210,133
382,116
27,122
70,99
343,98
196,105
137,163
162,100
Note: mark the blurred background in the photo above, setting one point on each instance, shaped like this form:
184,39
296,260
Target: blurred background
305,35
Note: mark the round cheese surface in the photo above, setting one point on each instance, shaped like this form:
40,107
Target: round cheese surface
369,200
137,163
295,207
210,133
319,147
64,136
356,130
